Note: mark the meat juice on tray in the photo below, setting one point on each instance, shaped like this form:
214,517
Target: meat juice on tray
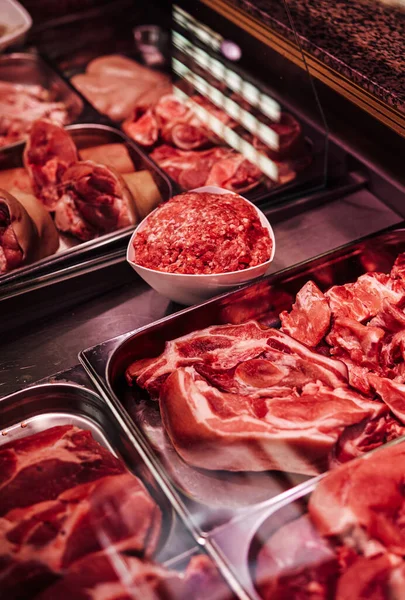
326,388
70,511
348,542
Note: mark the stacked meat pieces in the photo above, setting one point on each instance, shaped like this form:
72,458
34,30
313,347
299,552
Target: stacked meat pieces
74,523
21,105
185,146
350,544
326,388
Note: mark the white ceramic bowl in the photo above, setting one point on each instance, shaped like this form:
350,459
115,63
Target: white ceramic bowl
192,289
16,19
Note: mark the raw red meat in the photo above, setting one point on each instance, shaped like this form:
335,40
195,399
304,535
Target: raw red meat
364,500
48,537
290,139
44,465
392,393
216,430
95,201
142,127
365,297
368,578
309,320
225,347
241,397
203,233
296,563
49,151
398,269
364,437
103,577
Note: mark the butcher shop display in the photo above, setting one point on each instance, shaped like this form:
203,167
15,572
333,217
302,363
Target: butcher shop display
326,388
187,149
202,233
21,105
68,508
349,544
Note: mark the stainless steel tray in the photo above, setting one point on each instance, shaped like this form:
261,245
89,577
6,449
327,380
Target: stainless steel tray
210,499
64,401
31,69
68,397
71,250
252,530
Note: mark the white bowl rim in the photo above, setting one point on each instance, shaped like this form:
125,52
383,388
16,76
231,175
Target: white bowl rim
214,190
24,26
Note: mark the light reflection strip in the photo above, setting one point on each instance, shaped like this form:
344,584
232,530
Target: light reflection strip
235,141
251,123
202,32
249,92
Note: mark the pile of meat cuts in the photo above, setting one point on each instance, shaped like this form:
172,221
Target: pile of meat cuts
74,523
327,387
21,105
186,148
351,543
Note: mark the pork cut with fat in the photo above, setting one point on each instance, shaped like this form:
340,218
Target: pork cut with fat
309,320
42,466
364,499
114,512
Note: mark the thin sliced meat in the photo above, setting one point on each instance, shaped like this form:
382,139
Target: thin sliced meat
295,563
42,466
344,505
48,153
309,320
390,318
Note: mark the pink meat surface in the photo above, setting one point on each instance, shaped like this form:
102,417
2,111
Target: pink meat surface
40,467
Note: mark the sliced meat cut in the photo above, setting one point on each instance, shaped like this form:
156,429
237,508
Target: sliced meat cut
40,467
296,563
309,320
398,269
223,347
85,519
105,577
353,502
218,430
48,153
99,576
365,297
